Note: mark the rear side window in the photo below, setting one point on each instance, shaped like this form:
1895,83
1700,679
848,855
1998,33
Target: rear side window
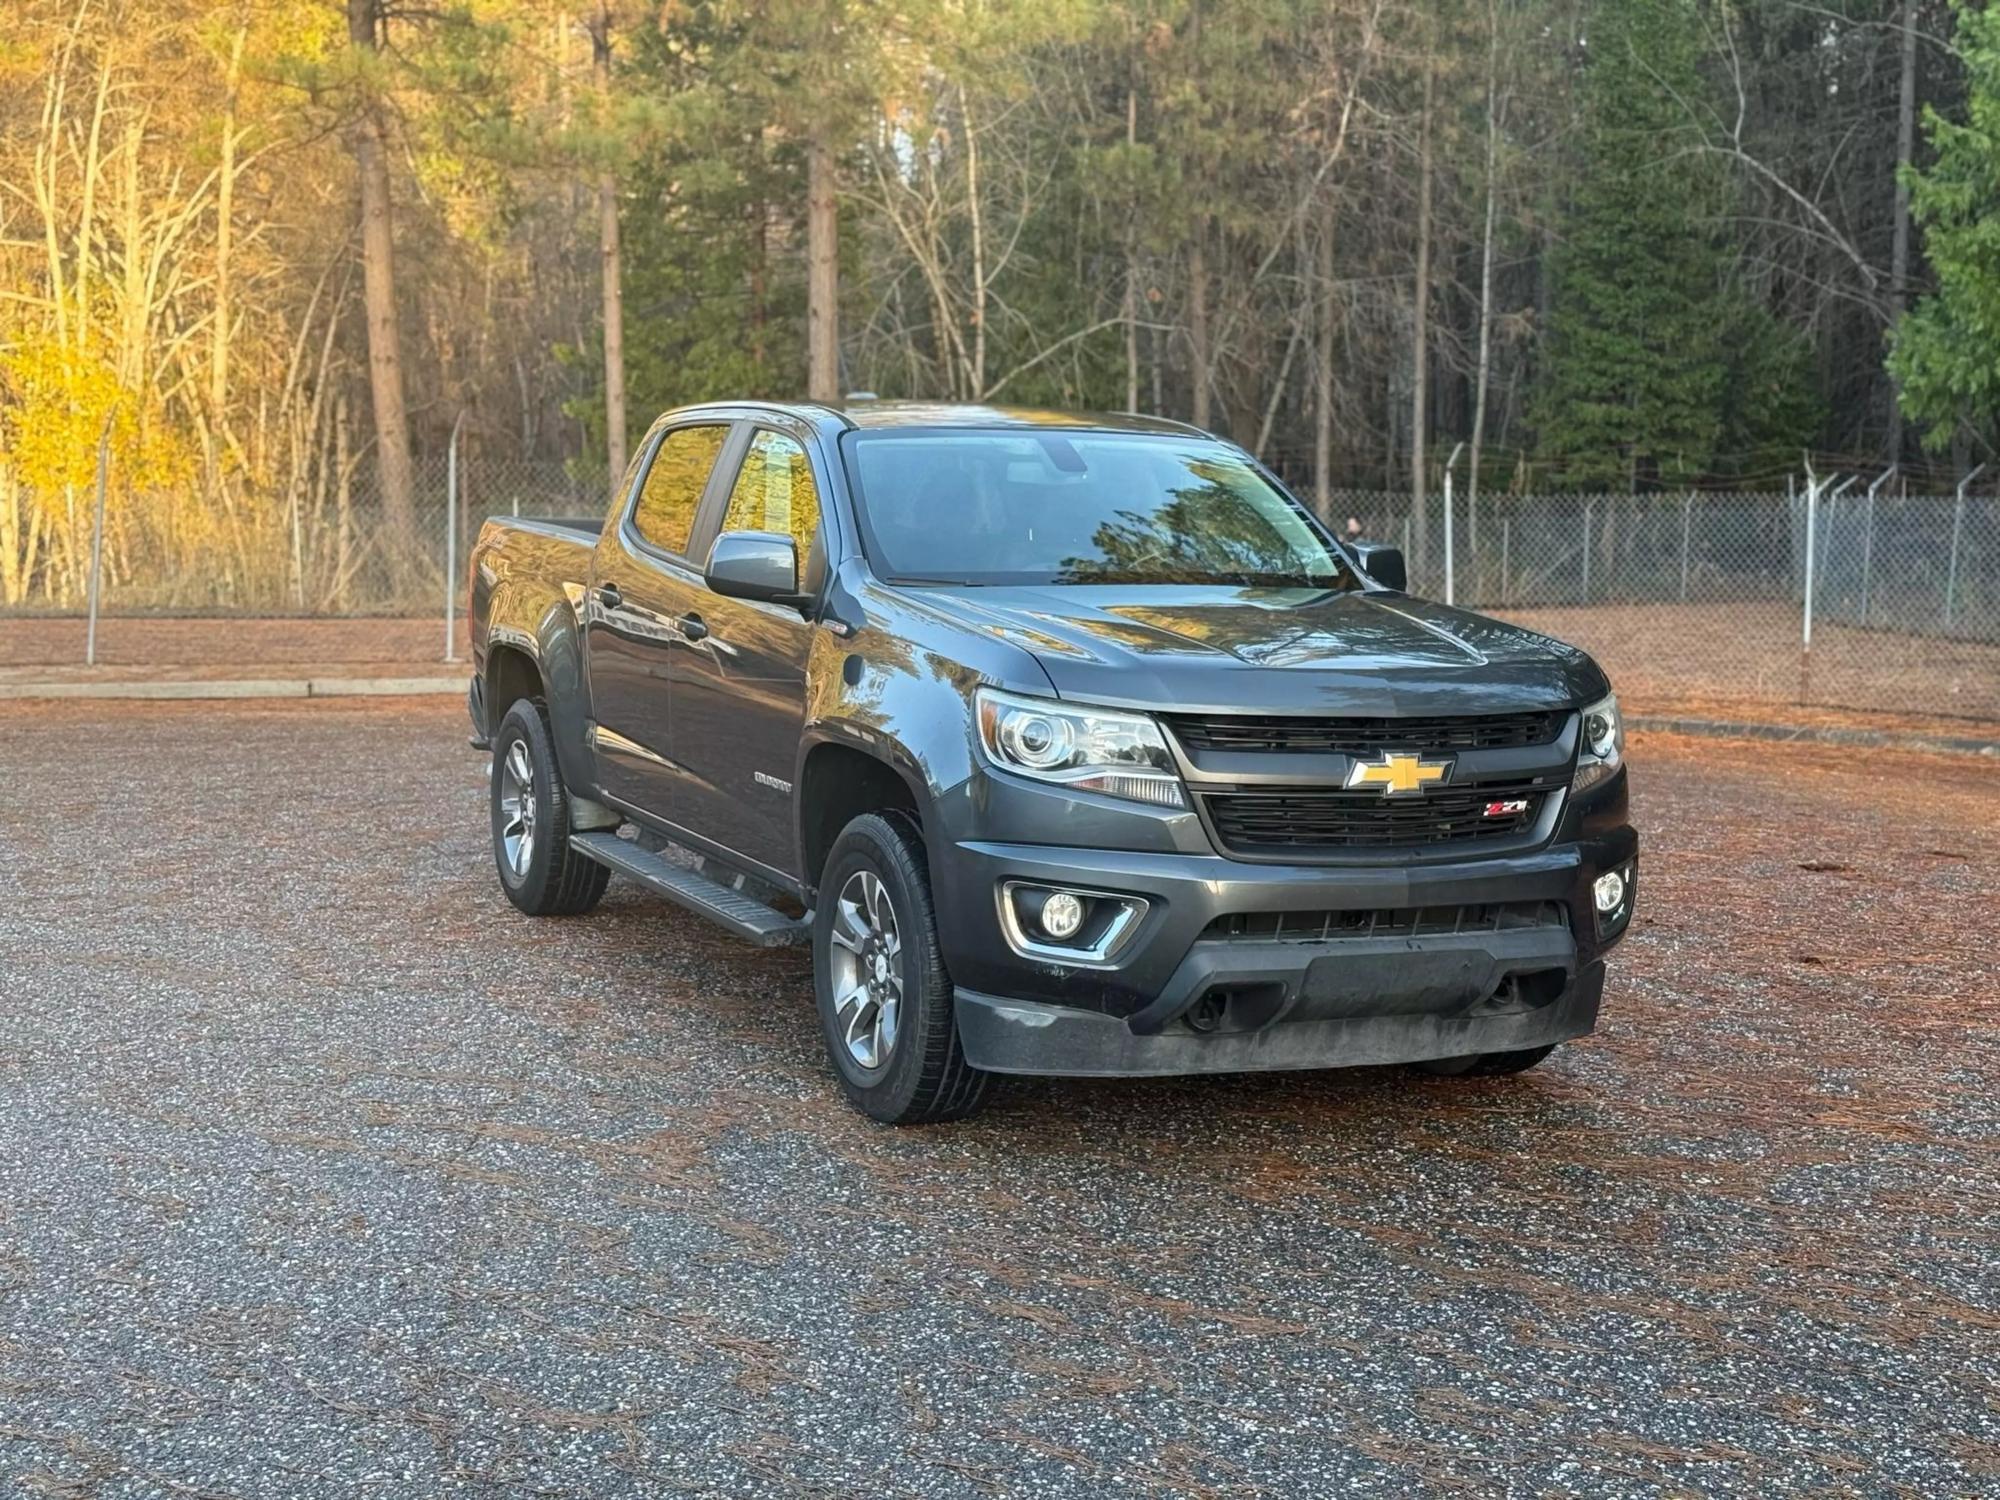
775,492
664,515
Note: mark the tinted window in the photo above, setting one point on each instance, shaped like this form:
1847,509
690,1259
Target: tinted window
774,491
665,513
1080,507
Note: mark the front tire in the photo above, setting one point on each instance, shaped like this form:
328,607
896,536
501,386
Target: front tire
538,870
885,998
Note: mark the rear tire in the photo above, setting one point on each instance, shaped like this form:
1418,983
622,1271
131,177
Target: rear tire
1484,1064
538,870
885,998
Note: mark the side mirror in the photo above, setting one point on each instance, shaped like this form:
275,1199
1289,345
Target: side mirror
762,565
1383,563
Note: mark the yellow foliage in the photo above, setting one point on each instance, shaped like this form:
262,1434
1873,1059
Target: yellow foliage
53,405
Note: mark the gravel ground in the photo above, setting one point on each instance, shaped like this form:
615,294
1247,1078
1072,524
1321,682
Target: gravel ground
324,1173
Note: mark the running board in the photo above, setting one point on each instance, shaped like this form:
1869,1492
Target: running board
747,917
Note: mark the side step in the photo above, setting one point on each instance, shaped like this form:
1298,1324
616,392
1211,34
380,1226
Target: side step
748,918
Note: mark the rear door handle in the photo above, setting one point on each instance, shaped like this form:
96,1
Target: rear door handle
693,628
608,595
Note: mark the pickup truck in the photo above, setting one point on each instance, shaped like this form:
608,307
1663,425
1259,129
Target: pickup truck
1071,744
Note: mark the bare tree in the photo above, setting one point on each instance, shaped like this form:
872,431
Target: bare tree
822,271
225,210
1420,334
613,276
378,291
1485,358
1899,255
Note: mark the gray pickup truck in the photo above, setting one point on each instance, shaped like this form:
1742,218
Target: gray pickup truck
1072,744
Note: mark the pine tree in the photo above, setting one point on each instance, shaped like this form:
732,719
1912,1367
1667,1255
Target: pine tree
1633,373
1947,351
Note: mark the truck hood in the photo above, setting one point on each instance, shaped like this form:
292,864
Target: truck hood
1226,649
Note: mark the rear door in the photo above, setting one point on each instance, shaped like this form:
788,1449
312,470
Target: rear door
642,582
740,690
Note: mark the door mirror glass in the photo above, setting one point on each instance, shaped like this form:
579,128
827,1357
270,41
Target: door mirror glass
1382,563
754,565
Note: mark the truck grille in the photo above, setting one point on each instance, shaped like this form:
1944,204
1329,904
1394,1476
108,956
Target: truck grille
1307,819
1419,921
1279,732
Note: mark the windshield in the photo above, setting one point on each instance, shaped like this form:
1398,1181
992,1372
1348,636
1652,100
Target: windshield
1006,507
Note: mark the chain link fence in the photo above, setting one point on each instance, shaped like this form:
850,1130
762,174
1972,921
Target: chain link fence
1845,600
1826,595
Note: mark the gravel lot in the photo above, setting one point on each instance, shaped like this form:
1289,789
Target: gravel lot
324,1173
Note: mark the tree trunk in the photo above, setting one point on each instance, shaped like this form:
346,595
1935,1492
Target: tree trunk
1485,364
978,219
378,290
1420,354
1899,256
822,272
760,275
86,231
613,273
1198,321
1323,303
1130,311
225,209
132,341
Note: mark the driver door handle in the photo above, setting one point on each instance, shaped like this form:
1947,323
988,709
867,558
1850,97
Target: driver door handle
693,628
608,595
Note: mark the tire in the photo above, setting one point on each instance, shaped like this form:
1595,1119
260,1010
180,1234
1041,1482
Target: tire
895,1045
530,805
1485,1064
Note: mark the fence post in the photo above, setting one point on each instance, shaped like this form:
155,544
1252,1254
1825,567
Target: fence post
1805,633
1450,567
1957,530
97,543
1586,551
451,541
1868,542
1506,549
1687,525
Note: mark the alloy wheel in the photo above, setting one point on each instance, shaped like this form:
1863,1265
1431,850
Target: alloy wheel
867,964
517,808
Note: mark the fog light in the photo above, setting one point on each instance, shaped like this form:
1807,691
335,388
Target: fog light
1061,916
1610,891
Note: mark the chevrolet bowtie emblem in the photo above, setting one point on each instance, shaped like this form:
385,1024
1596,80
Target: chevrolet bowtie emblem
1397,774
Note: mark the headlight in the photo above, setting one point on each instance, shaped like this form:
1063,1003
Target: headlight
1602,743
1091,749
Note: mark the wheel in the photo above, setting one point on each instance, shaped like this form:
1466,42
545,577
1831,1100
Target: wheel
539,871
885,1000
1484,1064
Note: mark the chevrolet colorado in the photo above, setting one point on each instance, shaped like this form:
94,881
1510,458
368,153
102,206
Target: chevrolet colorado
1071,744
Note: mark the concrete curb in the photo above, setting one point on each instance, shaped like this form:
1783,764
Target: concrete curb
1821,734
251,687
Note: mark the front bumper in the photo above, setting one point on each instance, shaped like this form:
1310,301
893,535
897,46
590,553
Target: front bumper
1022,1036
1184,994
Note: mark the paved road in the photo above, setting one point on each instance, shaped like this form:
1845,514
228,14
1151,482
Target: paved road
323,1173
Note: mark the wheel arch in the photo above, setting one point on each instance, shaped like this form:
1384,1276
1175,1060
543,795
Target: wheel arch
840,778
512,672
